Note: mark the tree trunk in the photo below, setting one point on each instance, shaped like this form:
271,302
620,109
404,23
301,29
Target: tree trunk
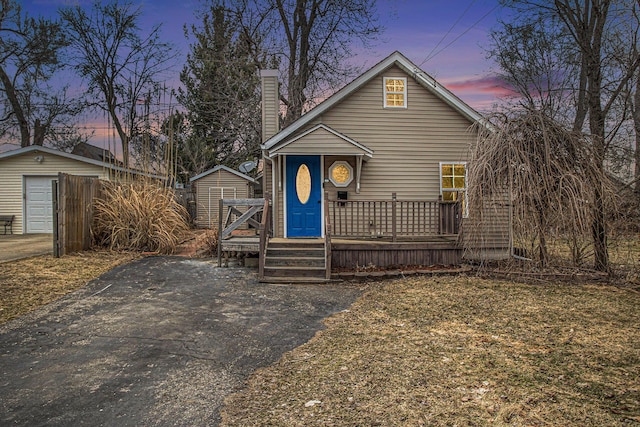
25,137
636,124
124,138
39,131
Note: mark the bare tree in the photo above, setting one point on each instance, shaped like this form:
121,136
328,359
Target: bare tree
594,28
636,125
30,49
121,66
532,56
312,40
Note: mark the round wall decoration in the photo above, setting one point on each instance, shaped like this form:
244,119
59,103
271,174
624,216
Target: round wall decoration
341,173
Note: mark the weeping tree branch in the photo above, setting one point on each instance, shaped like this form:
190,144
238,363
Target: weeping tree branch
548,174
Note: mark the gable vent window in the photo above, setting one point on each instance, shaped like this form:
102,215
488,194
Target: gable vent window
395,92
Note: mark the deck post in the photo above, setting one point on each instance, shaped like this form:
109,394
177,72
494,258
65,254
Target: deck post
220,208
264,235
327,237
394,217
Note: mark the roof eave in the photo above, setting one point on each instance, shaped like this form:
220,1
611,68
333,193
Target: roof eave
225,168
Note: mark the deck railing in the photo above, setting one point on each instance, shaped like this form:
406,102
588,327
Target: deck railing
393,219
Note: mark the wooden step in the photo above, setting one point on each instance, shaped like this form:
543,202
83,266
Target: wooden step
305,280
294,271
295,261
301,261
296,244
296,252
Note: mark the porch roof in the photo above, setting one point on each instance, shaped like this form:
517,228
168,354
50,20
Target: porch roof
321,139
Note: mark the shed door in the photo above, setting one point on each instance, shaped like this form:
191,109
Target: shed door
38,204
304,196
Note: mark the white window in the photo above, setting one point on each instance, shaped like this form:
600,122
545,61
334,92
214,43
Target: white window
395,92
453,183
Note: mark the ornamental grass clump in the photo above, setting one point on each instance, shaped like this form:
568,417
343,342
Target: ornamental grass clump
139,216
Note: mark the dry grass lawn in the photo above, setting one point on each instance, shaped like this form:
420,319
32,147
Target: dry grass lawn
460,352
32,282
443,351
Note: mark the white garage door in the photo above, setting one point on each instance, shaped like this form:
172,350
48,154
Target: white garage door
38,205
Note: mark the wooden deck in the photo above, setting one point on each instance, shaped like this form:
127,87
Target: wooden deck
351,253
250,244
434,242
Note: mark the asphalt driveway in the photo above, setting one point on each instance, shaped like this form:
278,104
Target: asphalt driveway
158,342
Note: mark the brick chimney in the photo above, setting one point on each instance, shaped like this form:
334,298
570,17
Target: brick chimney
270,103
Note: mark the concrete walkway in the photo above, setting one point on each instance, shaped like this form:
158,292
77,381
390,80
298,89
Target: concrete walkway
17,246
157,342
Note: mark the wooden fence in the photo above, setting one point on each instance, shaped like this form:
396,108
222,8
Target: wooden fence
73,212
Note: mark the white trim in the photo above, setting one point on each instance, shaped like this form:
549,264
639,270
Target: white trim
235,196
25,177
47,150
395,58
225,168
269,73
285,232
465,212
322,196
385,92
367,151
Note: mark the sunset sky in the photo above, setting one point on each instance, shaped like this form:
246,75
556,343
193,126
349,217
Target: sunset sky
446,38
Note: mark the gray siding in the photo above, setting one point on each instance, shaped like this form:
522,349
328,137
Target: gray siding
208,195
408,146
270,103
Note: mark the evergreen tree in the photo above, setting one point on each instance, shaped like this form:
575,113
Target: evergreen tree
221,96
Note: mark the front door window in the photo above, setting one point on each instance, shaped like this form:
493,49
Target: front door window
303,184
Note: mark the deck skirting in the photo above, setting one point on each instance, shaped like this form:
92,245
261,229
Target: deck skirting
354,254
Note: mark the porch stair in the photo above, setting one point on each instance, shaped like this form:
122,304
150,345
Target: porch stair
295,261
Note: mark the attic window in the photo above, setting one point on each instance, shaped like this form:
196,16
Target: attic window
395,92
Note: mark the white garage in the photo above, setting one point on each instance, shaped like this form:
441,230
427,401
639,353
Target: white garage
25,183
38,204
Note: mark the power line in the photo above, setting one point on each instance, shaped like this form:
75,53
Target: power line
448,32
461,34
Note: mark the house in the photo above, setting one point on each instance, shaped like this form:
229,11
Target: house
26,176
374,175
218,183
96,153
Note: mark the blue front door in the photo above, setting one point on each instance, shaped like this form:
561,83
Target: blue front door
304,196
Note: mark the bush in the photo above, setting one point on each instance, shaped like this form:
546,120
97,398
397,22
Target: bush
207,242
139,216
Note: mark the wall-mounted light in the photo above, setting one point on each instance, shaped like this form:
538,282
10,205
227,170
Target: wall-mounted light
39,158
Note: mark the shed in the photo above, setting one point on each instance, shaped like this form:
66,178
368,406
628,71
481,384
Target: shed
220,182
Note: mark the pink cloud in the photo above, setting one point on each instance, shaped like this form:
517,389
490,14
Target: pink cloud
483,93
489,85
